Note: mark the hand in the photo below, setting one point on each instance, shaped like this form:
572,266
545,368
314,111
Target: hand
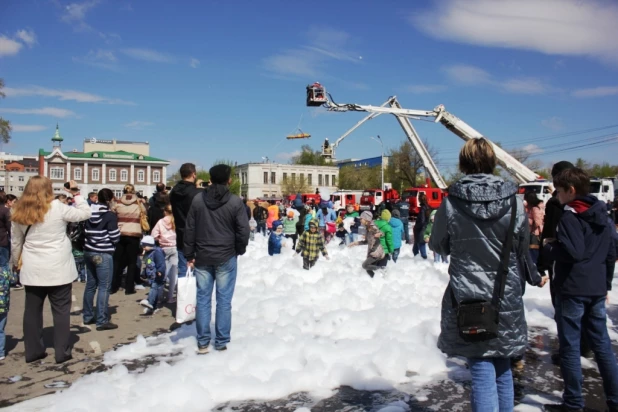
548,240
73,189
191,264
15,270
544,280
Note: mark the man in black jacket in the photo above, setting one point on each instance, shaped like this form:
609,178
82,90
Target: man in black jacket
260,215
181,198
217,232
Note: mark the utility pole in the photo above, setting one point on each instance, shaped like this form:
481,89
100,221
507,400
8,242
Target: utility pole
379,139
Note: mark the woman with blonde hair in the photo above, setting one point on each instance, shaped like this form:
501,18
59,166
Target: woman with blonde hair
40,238
165,233
129,210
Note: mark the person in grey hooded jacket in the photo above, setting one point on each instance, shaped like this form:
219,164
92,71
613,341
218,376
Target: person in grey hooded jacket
471,226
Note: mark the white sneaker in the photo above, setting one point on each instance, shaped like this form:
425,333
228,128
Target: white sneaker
2,358
139,287
146,304
202,350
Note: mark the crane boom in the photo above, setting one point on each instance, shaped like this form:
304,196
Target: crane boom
460,128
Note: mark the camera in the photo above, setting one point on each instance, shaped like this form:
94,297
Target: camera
205,184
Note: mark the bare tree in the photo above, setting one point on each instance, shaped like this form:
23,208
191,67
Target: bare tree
405,165
5,125
293,186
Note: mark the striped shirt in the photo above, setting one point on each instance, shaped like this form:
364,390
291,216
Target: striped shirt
102,232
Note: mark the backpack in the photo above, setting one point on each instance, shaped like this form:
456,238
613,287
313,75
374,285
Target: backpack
77,235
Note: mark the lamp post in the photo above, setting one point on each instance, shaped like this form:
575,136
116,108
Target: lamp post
268,178
379,139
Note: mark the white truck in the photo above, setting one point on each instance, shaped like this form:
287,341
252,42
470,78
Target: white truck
541,187
602,189
342,198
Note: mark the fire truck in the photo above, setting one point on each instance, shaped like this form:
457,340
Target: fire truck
342,198
434,197
373,197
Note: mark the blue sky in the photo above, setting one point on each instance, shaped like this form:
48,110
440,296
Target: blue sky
225,79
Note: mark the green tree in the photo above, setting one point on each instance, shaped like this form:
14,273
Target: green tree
359,178
293,186
235,186
308,156
5,125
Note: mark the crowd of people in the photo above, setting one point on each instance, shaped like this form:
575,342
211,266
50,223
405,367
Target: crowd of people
493,241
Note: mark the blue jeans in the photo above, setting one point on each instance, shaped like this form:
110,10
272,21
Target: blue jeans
261,227
224,276
4,259
182,263
80,263
406,229
351,238
100,267
439,258
492,385
156,290
587,314
421,247
3,318
395,254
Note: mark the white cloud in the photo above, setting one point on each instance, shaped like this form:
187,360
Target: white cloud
532,149
75,14
288,155
555,27
553,123
148,55
596,91
104,59
474,76
138,125
195,63
324,45
9,47
75,95
27,128
27,36
45,111
425,88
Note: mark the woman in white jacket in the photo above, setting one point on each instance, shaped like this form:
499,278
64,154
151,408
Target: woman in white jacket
40,238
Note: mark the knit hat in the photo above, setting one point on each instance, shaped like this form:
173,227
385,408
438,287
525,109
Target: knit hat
313,222
220,174
396,213
276,224
367,216
560,166
386,215
290,214
148,241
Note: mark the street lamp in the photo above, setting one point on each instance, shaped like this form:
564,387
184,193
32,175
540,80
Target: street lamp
379,139
268,178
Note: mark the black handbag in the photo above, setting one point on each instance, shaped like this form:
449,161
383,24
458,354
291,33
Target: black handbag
478,320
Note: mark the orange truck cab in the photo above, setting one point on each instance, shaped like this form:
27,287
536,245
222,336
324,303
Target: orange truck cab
373,197
434,197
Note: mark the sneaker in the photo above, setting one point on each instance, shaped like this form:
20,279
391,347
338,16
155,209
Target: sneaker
221,349
82,281
18,286
90,322
107,326
2,358
202,350
146,304
371,273
561,408
139,287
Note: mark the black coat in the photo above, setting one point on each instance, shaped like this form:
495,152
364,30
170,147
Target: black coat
181,198
553,213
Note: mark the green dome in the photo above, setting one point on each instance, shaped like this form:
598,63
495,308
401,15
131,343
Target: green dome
57,137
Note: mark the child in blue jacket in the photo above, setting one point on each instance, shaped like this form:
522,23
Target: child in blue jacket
397,226
154,271
276,236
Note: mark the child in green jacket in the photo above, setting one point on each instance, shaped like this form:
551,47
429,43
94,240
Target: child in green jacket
386,240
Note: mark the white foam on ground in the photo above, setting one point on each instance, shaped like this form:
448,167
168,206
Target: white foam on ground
294,331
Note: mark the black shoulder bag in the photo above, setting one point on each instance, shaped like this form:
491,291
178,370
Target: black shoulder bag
478,320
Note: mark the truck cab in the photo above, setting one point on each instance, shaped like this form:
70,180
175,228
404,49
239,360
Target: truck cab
373,197
345,197
541,187
602,189
434,198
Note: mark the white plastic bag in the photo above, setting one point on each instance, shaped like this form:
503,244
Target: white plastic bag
186,298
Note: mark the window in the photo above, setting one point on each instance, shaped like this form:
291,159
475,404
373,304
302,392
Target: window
302,177
77,173
95,175
140,176
21,178
56,173
273,177
21,188
334,181
319,180
326,180
118,194
10,188
112,175
124,176
11,177
309,180
435,195
293,177
156,176
265,177
285,177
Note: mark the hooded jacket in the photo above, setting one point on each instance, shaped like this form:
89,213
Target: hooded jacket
373,240
274,240
397,231
387,239
311,244
471,226
584,249
298,201
102,233
217,227
129,210
164,233
181,198
553,213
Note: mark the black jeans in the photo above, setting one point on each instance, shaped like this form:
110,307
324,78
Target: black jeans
60,300
125,256
308,264
294,237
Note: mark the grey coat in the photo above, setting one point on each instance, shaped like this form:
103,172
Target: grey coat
471,225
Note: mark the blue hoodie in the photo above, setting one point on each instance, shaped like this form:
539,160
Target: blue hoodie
298,202
584,251
331,216
397,226
154,261
274,241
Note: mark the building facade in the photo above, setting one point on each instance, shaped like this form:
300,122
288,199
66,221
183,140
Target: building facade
96,170
15,174
267,179
98,145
